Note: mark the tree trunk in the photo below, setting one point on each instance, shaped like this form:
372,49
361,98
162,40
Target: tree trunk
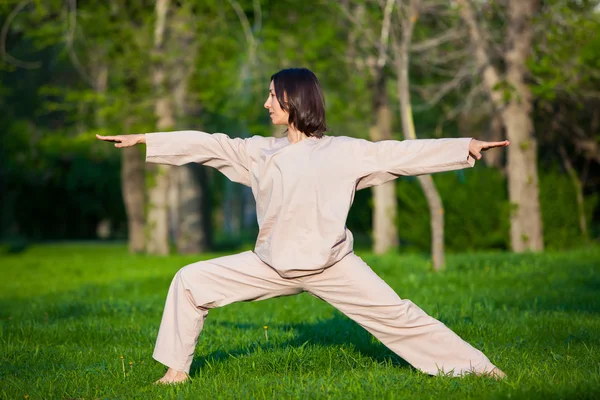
188,221
132,169
191,237
434,201
385,204
157,226
496,133
173,204
523,187
99,75
525,216
232,210
133,188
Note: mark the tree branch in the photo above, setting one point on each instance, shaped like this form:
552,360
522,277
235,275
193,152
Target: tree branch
359,25
247,30
4,33
490,75
70,36
257,15
436,41
385,34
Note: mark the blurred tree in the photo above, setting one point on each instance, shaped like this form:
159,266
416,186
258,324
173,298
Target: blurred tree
512,97
188,213
367,22
566,80
398,21
409,14
157,223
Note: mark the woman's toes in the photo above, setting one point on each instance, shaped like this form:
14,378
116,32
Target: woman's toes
171,379
497,374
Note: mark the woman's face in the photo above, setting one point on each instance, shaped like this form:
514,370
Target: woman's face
278,115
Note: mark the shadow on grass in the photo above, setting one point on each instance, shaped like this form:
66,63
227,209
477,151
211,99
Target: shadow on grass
337,332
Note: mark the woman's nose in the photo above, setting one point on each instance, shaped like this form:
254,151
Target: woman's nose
266,104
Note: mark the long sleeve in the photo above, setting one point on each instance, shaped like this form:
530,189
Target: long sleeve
384,161
217,150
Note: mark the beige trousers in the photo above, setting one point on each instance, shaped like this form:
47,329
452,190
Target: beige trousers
349,285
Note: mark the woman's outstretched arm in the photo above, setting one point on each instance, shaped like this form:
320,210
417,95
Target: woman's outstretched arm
217,150
388,159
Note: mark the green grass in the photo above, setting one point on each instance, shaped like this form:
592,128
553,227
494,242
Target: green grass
69,312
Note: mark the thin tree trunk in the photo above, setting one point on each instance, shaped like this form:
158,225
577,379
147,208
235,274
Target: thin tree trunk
578,191
436,212
523,188
157,226
385,232
434,201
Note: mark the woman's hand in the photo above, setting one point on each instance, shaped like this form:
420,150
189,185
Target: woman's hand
124,140
477,146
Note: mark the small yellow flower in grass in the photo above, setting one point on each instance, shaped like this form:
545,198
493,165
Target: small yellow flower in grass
26,396
266,332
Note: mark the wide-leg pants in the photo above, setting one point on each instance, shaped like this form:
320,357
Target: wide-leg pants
349,285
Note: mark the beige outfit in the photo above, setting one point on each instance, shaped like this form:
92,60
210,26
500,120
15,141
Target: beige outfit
303,193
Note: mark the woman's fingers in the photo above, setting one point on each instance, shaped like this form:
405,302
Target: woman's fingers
110,138
475,154
120,141
477,146
489,145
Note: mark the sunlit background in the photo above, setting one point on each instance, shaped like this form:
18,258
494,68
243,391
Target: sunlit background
72,69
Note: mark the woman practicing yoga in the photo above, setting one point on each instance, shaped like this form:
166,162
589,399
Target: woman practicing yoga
304,185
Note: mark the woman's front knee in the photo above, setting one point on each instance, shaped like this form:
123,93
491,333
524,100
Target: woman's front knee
192,272
197,285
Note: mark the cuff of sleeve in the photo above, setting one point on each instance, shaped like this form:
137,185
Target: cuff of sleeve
470,159
149,145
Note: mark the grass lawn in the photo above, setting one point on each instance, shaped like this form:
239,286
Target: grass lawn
68,313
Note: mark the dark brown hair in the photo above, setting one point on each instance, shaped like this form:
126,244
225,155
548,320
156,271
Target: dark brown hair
305,101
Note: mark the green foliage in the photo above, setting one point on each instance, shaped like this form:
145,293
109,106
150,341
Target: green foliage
565,58
535,316
50,114
560,216
477,211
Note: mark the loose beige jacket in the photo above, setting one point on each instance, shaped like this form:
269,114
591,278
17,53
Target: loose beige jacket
304,190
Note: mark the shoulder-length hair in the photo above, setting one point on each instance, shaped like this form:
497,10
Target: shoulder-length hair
299,93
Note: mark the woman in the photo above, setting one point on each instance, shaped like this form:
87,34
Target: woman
304,185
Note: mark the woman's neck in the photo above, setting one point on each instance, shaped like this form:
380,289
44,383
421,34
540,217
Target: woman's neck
294,135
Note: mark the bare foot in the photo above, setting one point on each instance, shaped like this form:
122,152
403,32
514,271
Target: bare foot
496,373
173,377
